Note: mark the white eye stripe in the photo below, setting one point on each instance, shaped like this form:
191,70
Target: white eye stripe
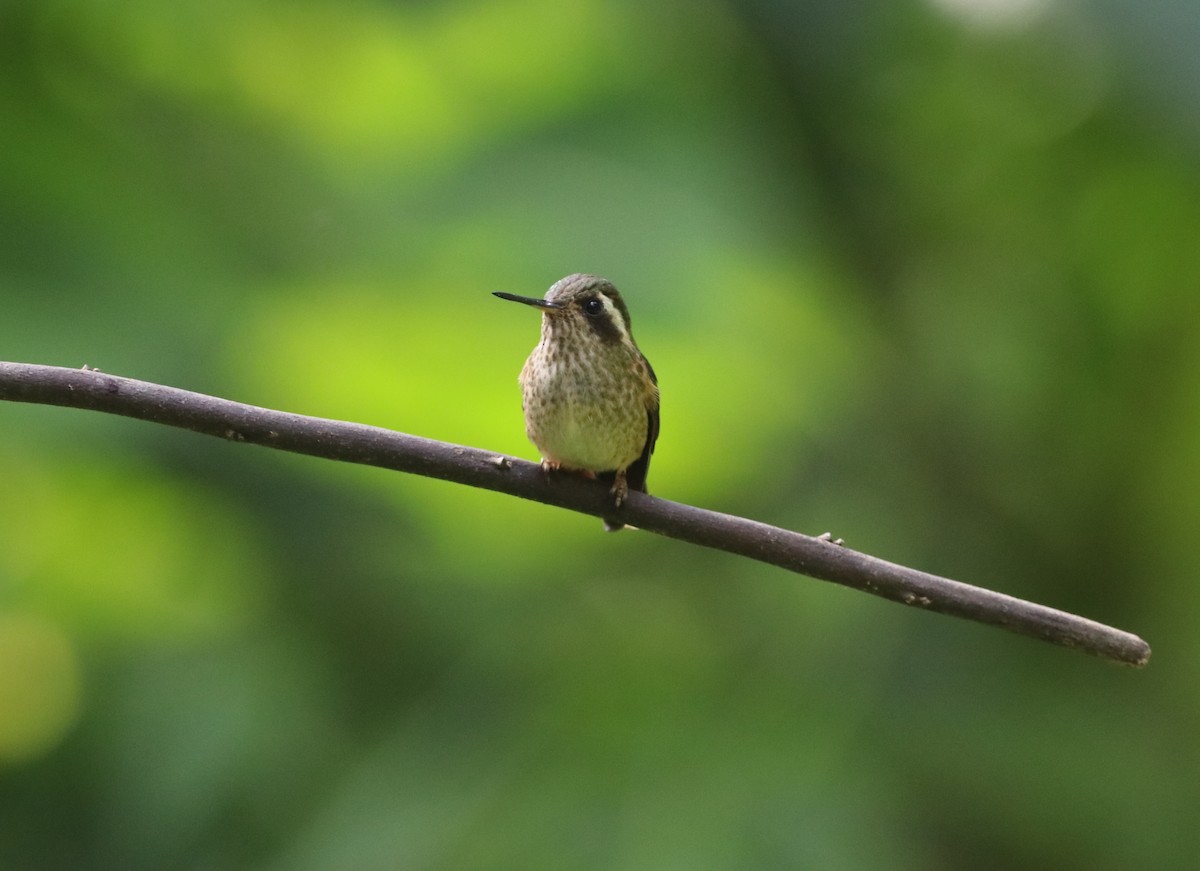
613,314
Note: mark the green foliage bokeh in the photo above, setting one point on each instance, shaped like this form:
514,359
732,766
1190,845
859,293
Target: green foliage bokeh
923,274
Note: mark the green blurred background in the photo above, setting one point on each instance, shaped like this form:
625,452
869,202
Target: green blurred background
924,274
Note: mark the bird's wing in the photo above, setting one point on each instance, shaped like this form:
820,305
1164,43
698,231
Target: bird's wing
635,475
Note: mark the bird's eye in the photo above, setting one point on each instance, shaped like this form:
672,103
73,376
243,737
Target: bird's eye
593,307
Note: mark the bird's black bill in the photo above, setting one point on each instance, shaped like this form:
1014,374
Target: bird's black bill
527,300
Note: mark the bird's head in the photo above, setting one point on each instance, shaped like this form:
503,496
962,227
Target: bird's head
581,305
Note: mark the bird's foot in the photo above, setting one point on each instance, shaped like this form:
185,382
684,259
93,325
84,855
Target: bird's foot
620,489
556,466
828,536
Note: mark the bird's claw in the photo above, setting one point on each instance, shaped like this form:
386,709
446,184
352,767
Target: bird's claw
620,489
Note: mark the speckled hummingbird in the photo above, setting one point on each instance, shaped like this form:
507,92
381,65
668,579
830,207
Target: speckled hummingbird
589,395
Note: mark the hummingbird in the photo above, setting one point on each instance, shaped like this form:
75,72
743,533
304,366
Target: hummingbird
589,396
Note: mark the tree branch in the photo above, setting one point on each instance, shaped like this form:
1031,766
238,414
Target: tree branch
373,446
